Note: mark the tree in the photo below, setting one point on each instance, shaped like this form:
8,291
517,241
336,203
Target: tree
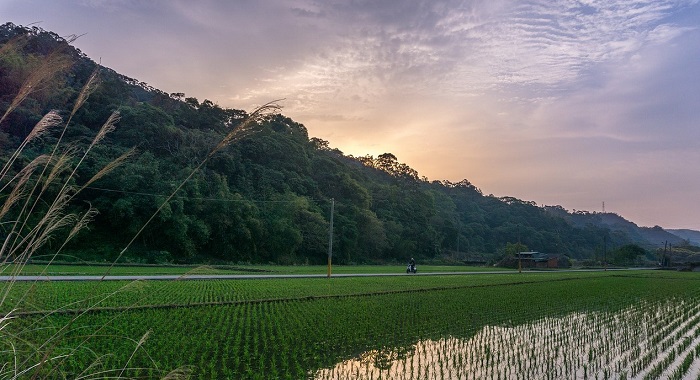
384,212
627,254
512,249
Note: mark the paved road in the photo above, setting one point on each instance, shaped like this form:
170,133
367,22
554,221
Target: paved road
272,276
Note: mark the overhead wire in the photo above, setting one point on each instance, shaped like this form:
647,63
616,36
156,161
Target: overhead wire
194,198
210,199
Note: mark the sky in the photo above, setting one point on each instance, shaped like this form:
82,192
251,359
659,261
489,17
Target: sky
560,102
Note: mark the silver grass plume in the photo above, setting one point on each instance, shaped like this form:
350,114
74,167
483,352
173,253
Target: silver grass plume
107,127
48,68
61,164
88,88
50,120
109,167
138,345
250,125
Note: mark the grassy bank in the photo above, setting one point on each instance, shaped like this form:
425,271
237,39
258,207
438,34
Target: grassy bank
100,269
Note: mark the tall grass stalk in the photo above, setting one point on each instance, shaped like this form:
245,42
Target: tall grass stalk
35,209
250,125
54,63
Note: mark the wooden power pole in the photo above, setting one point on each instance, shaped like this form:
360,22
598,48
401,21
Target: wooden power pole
330,238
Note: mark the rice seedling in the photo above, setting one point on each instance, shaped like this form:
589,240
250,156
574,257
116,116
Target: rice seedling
377,336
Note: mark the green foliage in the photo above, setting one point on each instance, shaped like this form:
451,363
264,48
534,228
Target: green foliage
267,197
628,254
512,249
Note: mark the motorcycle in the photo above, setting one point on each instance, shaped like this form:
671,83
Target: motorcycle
411,268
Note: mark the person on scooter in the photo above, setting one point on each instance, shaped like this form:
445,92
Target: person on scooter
412,264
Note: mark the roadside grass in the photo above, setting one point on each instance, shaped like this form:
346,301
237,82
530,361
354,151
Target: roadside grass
389,268
99,269
117,270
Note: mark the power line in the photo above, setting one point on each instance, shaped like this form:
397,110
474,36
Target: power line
208,199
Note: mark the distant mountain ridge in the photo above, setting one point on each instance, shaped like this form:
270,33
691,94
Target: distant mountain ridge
650,237
691,236
655,236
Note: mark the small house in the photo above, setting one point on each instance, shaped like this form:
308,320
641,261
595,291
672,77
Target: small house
535,259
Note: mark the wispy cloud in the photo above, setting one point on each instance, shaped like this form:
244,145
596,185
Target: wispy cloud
367,50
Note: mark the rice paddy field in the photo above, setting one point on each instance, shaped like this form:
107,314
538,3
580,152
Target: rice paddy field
552,325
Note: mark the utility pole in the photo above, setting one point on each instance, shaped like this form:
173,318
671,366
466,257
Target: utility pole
457,228
520,256
605,252
330,238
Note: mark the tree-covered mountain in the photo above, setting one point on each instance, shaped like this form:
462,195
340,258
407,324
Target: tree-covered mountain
690,236
266,198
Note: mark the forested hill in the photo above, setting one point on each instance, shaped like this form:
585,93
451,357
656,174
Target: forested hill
264,199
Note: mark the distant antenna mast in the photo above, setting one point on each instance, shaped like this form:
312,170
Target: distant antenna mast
603,207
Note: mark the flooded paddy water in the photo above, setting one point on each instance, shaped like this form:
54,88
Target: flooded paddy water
647,340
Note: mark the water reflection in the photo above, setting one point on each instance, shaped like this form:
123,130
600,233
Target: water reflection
624,344
415,362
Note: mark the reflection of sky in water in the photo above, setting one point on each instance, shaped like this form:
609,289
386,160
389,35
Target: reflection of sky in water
629,344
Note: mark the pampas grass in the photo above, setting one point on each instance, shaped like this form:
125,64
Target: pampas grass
35,210
250,125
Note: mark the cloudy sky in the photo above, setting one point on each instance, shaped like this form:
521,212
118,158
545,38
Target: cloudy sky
561,102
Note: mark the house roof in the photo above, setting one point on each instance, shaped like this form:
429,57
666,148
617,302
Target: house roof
534,255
